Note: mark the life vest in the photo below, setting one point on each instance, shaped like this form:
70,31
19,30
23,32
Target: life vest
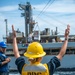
39,69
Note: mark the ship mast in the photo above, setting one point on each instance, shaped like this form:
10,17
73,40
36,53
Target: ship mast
29,22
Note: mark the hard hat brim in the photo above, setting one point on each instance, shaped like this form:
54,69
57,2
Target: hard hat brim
33,55
4,46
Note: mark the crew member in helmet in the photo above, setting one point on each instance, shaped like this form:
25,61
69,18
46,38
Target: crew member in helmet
4,60
35,54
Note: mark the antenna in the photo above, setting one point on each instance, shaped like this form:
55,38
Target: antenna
6,27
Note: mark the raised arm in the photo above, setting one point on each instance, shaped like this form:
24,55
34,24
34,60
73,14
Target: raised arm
64,46
15,47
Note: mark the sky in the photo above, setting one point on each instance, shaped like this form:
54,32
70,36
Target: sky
46,13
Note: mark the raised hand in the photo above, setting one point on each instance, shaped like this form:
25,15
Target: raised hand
67,31
13,31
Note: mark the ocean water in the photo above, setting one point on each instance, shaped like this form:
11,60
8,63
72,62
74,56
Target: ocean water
56,73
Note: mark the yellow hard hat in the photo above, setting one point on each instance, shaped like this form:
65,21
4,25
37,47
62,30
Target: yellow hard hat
34,50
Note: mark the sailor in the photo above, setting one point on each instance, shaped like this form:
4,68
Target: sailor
4,60
35,54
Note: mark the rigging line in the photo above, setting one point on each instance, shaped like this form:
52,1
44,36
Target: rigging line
36,27
50,4
48,22
56,20
43,9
